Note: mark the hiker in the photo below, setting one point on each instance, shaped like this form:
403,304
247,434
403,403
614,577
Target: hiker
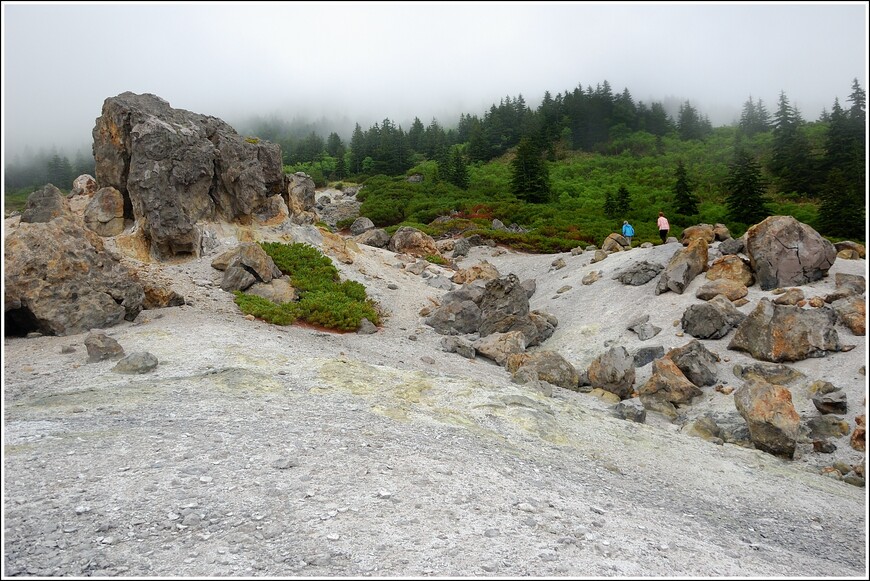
627,231
663,226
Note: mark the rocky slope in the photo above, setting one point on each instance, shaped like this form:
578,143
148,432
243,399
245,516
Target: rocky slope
261,450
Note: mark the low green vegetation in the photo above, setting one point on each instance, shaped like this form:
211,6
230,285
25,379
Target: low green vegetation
324,299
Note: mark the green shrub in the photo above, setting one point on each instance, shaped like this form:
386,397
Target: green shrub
323,299
283,314
435,259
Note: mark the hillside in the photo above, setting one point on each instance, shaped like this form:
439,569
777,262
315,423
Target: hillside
259,450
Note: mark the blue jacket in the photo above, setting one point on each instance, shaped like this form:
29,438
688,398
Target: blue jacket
627,230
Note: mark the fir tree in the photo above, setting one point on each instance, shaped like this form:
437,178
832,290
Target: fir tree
623,201
746,201
685,201
530,176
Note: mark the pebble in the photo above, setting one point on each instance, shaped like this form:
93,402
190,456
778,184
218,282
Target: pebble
384,494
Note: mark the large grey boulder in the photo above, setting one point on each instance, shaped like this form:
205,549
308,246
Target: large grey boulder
683,267
780,333
549,366
175,168
696,362
640,273
44,205
711,320
412,241
60,280
774,424
613,371
784,252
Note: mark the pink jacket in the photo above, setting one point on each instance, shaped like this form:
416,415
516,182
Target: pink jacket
663,223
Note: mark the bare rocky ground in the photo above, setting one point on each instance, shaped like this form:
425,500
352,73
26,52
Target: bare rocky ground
256,450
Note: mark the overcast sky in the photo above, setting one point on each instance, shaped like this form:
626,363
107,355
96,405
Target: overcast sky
367,61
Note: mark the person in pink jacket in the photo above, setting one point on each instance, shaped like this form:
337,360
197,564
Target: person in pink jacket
664,227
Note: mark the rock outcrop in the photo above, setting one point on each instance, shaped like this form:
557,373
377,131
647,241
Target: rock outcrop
60,280
175,168
785,252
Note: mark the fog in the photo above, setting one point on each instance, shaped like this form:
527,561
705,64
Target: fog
362,62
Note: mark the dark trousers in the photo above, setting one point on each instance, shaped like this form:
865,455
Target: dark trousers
664,235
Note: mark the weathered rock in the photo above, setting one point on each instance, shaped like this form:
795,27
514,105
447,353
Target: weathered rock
613,371
366,327
640,273
705,428
615,243
278,290
60,280
545,325
770,372
84,185
44,205
683,267
646,355
730,289
702,231
414,242
858,440
459,346
831,403
482,271
632,410
668,383
175,168
455,317
711,320
782,333
696,362
101,347
598,256
791,296
720,232
246,264
828,426
731,246
137,362
461,247
731,267
504,306
360,225
852,312
498,346
104,214
591,277
549,366
768,410
846,285
785,252
858,249
376,237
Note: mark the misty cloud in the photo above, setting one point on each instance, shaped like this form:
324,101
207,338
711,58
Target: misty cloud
365,62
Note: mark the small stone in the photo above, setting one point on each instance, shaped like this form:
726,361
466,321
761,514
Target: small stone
384,494
332,537
205,479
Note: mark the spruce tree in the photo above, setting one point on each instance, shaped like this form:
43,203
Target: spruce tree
530,176
458,169
685,201
623,201
746,201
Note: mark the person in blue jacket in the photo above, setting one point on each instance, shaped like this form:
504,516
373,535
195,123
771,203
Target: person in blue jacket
627,231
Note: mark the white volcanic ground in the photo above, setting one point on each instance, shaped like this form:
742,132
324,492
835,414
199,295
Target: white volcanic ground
256,450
